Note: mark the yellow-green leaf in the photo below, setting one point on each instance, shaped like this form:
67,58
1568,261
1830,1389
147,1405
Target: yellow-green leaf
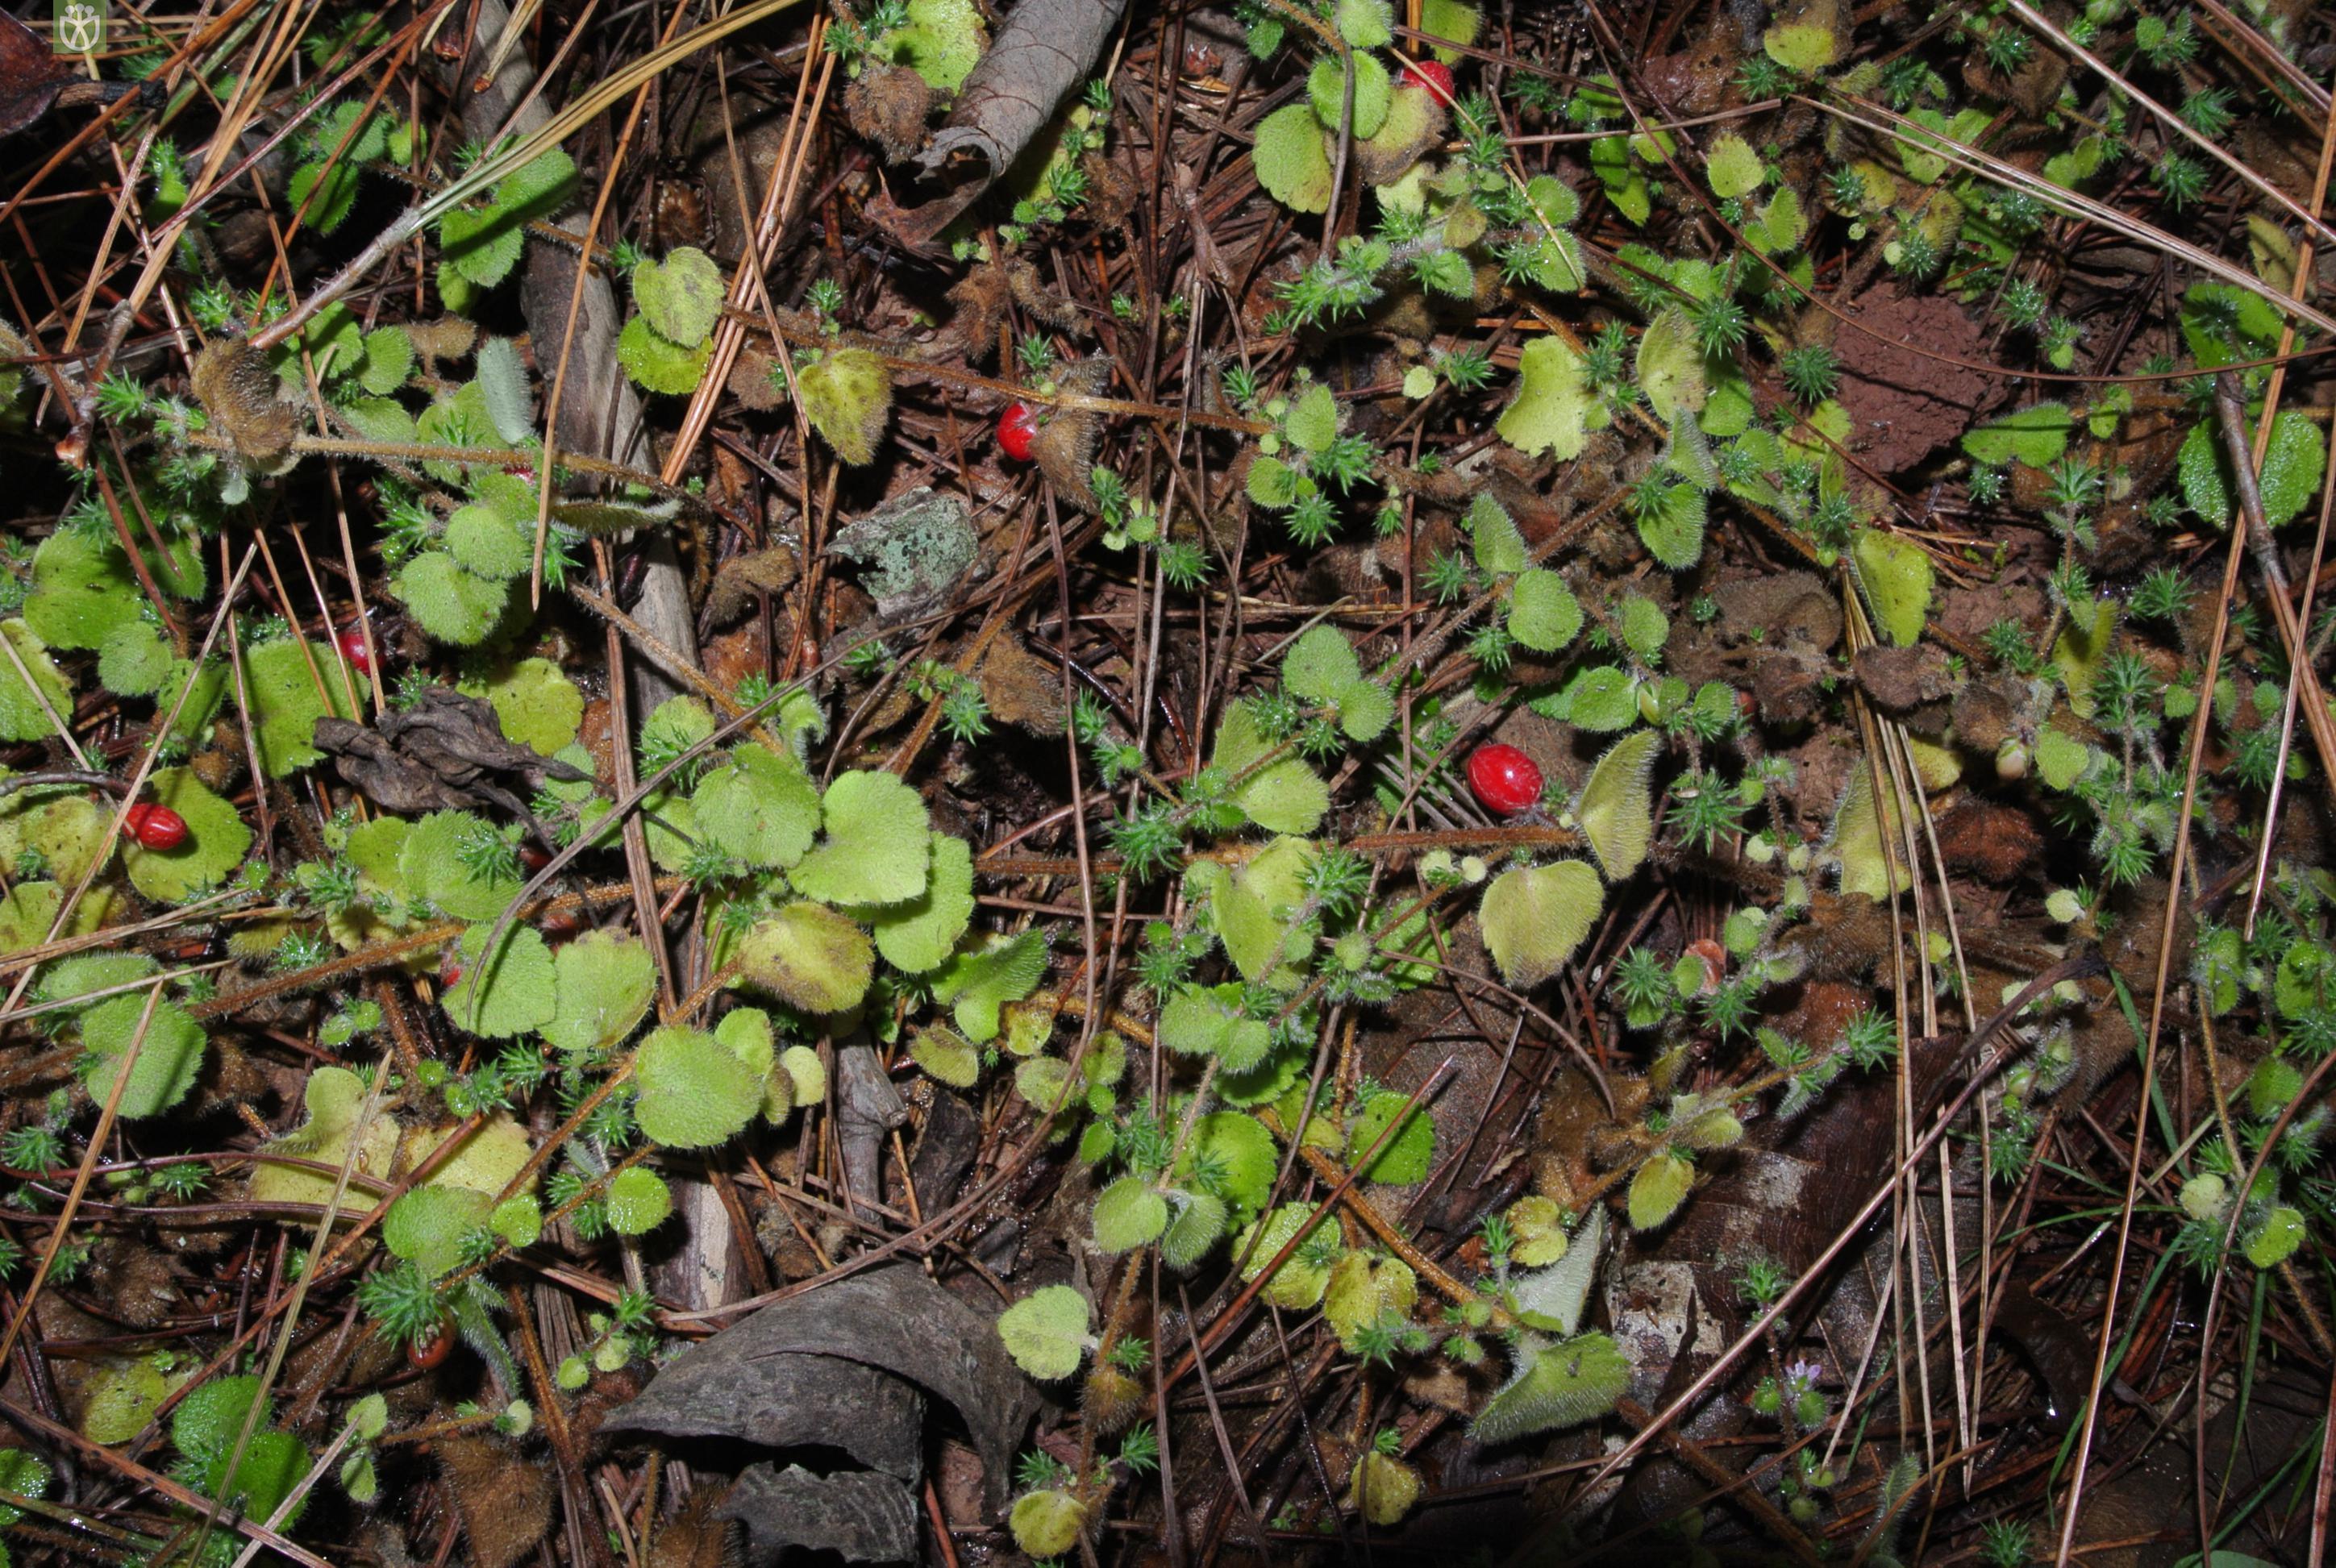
1614,809
1534,917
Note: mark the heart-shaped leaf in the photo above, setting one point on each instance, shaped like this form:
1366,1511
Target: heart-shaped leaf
1535,915
1615,808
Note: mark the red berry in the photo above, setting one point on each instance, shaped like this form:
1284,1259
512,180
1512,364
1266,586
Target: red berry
1505,780
534,858
355,648
430,1352
1016,428
156,827
1432,74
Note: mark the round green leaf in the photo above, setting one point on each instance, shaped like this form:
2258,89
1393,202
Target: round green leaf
1644,628
2277,1239
273,1463
21,714
118,1402
134,661
1366,709
1453,21
638,1202
1325,85
1804,48
1364,24
215,841
1047,1523
1535,915
432,864
281,678
1733,167
942,43
876,848
535,703
427,1224
509,994
486,544
1046,1331
694,1091
1291,162
681,296
847,396
1198,1225
920,935
1207,1021
451,604
1544,614
480,245
1129,1214
1404,1157
1363,1290
1600,699
946,1055
208,1420
82,589
1233,1157
603,983
1552,407
1320,664
808,956
762,808
807,1072
168,1058
657,364
1298,1283
518,1219
1658,1190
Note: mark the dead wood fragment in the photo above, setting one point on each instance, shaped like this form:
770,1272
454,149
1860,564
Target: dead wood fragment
444,754
772,1379
1042,53
858,1514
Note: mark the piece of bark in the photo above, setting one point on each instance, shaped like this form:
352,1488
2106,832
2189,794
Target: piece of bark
945,1149
867,1106
891,1317
782,1401
447,752
1042,53
859,1514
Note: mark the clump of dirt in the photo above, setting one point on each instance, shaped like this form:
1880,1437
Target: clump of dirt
1903,679
888,105
1993,841
1904,400
1791,606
